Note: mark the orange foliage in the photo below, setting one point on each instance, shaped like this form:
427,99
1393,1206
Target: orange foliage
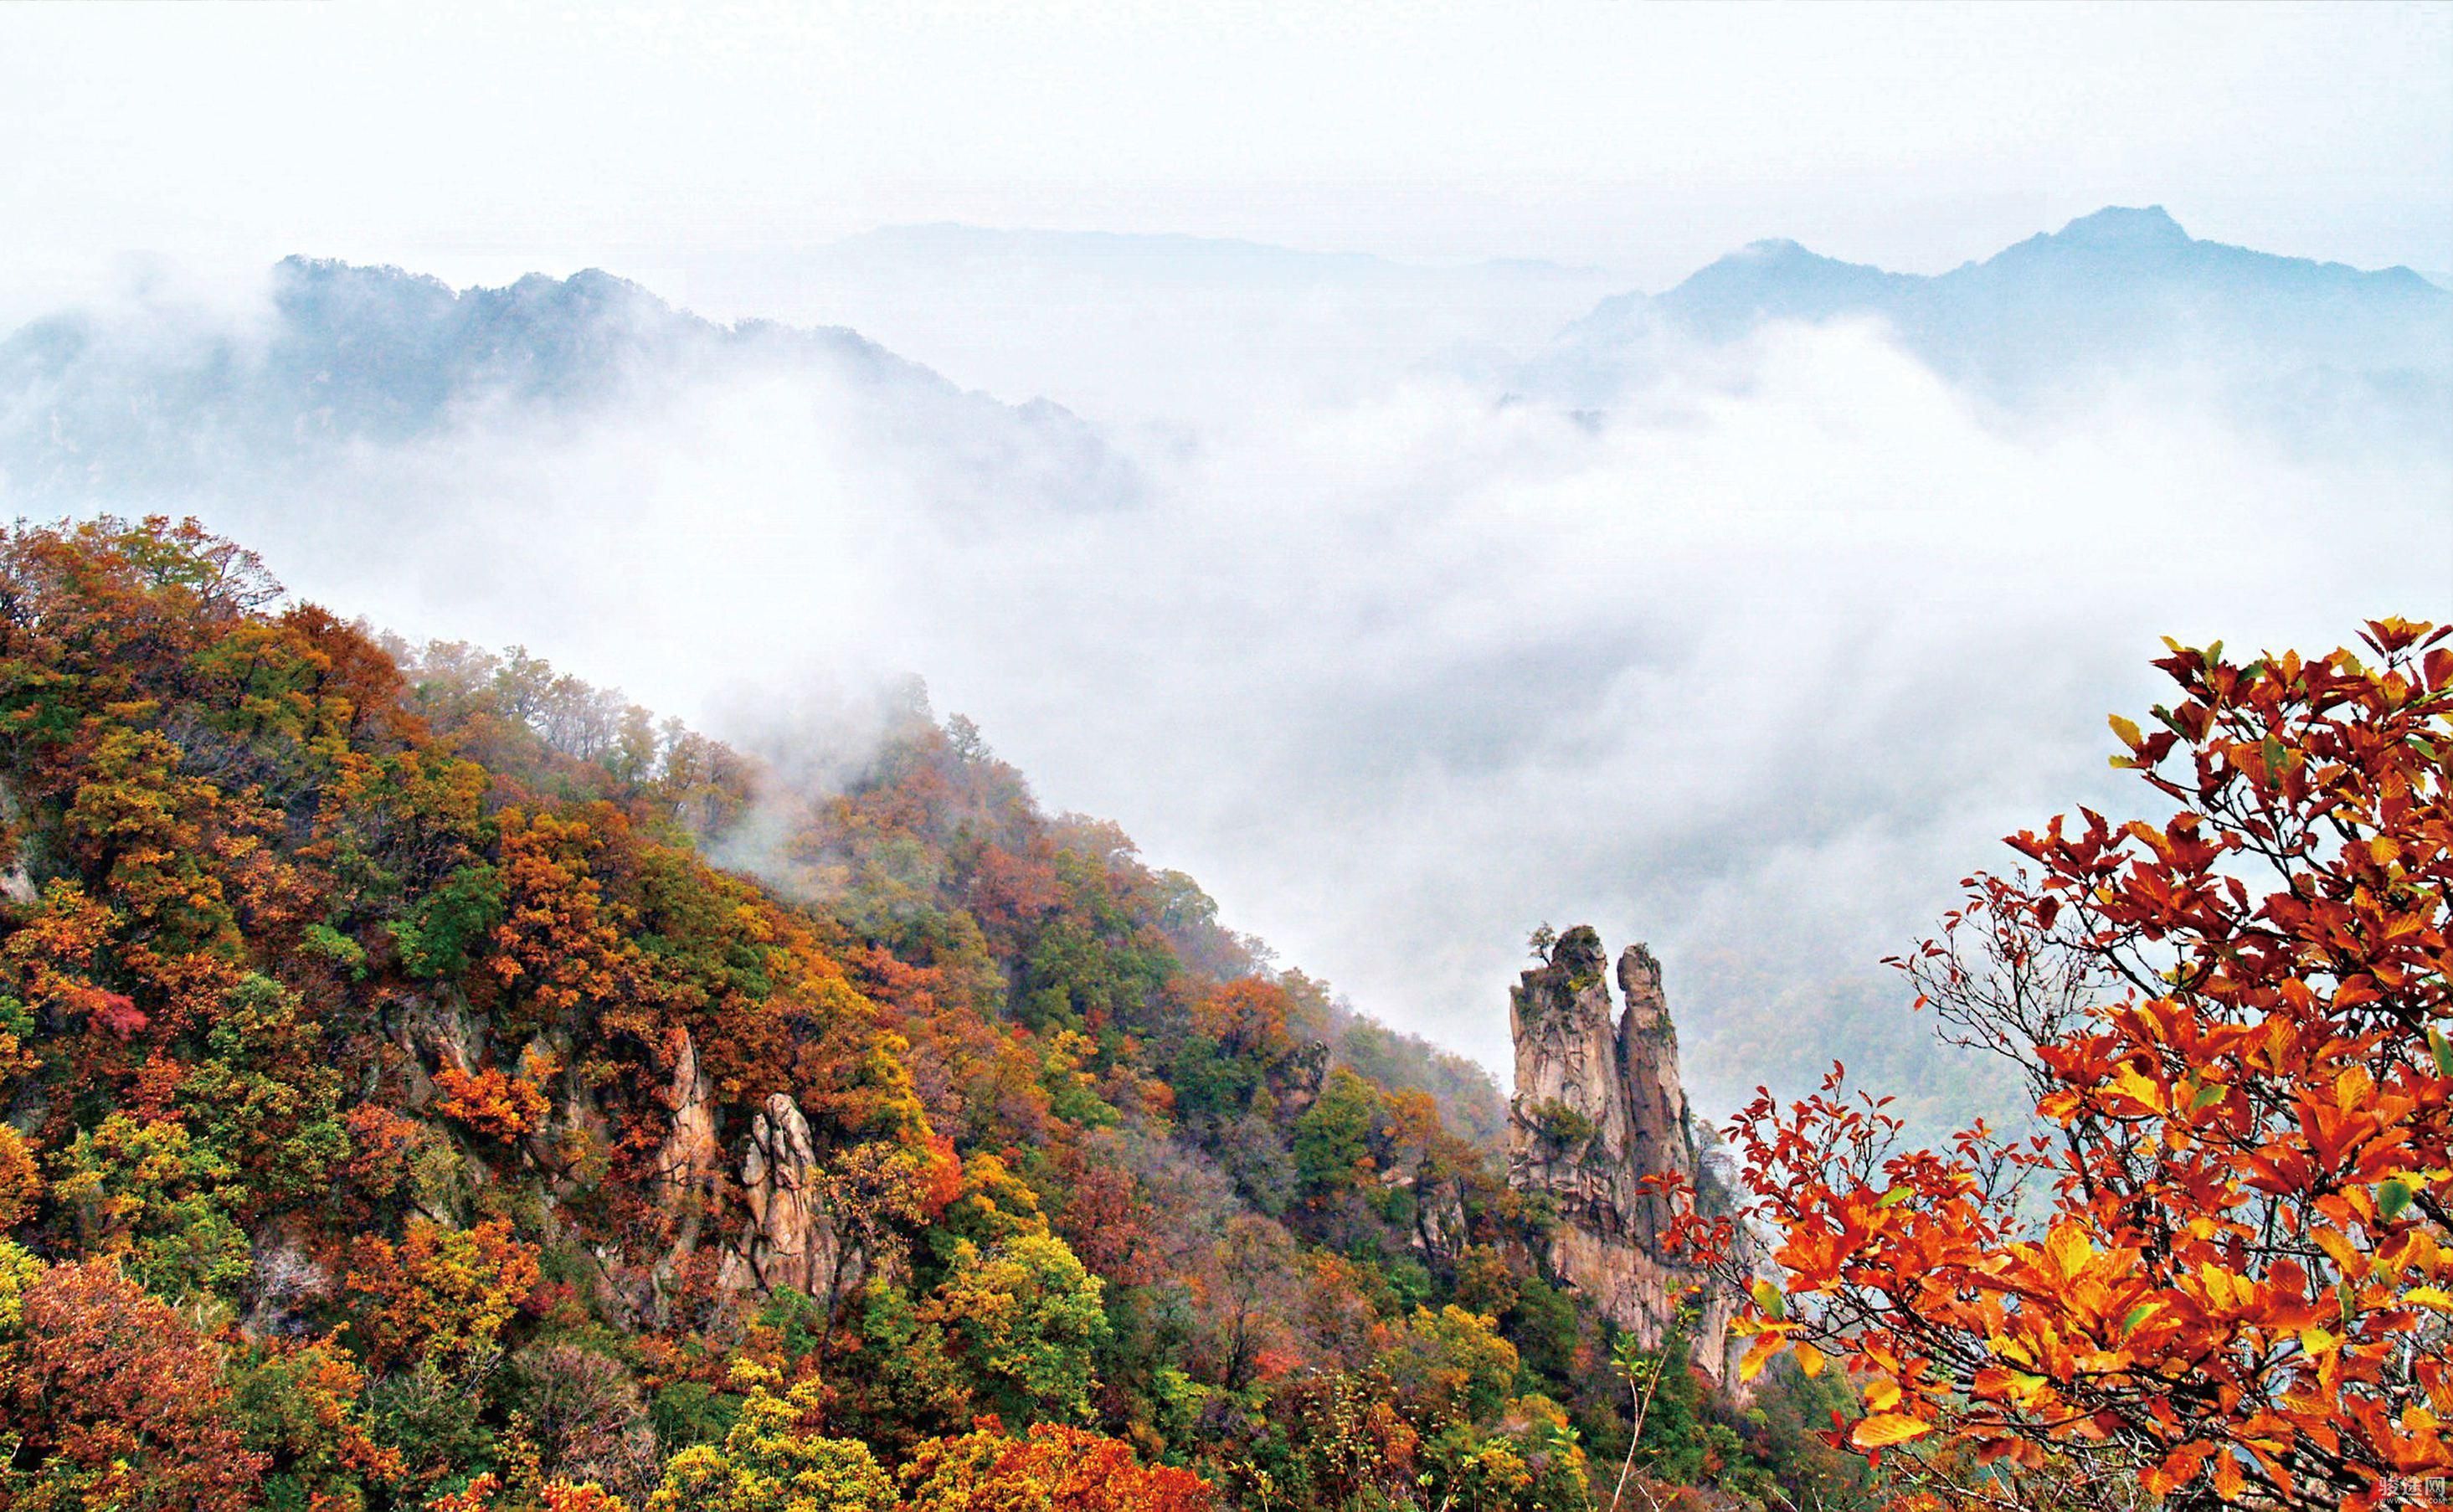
941,1177
1248,1016
21,1182
381,1143
483,1495
491,1102
561,1496
2235,1024
441,1293
115,1400
477,1496
1106,1219
1061,1469
50,958
557,950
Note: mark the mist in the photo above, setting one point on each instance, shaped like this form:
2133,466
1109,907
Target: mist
1753,667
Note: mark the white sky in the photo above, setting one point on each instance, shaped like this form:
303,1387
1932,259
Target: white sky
484,140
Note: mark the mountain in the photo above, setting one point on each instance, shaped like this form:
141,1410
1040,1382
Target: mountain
407,1107
2110,293
154,405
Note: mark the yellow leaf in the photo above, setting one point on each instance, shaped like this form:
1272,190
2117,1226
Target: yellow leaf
2070,1249
2218,1283
2129,1084
2127,729
1769,1298
1882,1395
1809,1359
1758,1353
2338,1247
1888,1428
2009,1348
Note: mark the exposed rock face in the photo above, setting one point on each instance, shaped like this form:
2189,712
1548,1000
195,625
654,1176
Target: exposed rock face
688,1164
16,882
789,1239
289,1284
688,1160
1658,1138
1599,1105
435,1033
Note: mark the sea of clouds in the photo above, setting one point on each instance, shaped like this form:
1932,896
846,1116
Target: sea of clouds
1753,666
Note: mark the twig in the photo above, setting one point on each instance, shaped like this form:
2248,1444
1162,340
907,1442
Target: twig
1643,1401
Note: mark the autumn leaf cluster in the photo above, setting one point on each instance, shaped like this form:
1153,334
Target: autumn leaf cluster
2220,1273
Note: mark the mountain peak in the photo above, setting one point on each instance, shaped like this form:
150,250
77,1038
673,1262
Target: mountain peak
2124,225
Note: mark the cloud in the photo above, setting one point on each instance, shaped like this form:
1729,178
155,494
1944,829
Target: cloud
1753,668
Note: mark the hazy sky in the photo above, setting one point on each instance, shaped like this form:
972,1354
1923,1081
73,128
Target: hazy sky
483,140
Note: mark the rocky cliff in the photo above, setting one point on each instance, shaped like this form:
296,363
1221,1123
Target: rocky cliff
788,1236
1599,1106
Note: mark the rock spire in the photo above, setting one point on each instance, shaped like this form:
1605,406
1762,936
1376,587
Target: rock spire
1599,1106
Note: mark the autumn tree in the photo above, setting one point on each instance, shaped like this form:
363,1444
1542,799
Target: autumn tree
298,1405
2221,1273
776,1456
147,1192
1053,1468
441,1294
584,1416
263,1094
108,1397
1026,1318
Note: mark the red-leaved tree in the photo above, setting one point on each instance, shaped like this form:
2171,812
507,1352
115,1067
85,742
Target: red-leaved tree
108,1397
2220,1272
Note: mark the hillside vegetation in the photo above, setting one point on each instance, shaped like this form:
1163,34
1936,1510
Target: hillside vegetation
404,1109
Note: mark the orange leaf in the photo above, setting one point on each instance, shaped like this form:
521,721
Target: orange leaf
2228,1480
1758,1354
1888,1428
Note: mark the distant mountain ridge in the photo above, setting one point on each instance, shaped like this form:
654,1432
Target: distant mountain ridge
98,406
2116,288
146,411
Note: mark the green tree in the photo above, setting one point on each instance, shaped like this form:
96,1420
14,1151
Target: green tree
1028,1316
264,1094
146,1190
1333,1137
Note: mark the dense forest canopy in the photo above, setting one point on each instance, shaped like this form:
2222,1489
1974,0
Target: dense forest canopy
402,1110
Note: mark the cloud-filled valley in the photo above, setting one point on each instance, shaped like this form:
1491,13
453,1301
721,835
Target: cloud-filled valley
1750,652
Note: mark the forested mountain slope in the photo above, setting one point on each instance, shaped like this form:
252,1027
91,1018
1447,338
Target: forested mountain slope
403,1110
